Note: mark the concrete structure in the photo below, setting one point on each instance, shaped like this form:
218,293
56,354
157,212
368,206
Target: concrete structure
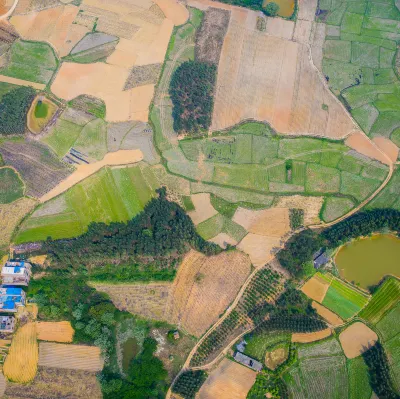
16,273
11,298
320,259
7,323
247,361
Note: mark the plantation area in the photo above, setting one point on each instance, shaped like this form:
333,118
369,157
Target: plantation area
359,58
111,195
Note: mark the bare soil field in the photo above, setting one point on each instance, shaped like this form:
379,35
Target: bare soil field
121,105
259,248
203,208
223,239
204,287
76,357
315,288
276,357
122,157
55,331
211,35
265,76
51,383
230,380
147,300
356,339
20,82
22,360
174,11
310,205
272,222
388,147
311,337
11,215
53,25
362,144
330,317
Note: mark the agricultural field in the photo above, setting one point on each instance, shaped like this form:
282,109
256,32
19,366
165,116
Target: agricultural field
383,300
54,331
31,61
74,357
356,339
336,295
38,167
327,347
22,360
359,387
359,61
11,186
112,194
52,383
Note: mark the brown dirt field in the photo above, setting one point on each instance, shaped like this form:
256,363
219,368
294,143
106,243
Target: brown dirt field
35,125
203,208
356,339
230,380
388,147
147,300
315,288
222,239
53,25
311,337
204,287
121,157
11,215
20,82
330,317
38,260
272,222
259,248
362,144
310,205
76,357
271,78
174,11
121,105
307,9
22,360
302,31
276,357
51,383
56,331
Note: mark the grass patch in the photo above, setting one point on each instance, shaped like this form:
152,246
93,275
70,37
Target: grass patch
335,207
225,208
11,186
321,179
359,387
188,203
41,109
388,326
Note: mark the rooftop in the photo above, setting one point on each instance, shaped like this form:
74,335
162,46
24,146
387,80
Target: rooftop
248,361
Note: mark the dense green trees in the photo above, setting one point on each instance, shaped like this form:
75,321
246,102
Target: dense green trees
189,383
191,91
14,107
158,236
271,9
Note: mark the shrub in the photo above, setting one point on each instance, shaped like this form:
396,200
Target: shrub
272,9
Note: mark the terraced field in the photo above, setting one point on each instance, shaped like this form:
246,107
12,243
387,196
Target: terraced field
110,195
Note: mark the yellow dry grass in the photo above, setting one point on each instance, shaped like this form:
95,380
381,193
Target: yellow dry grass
332,318
230,380
22,360
56,331
20,82
276,357
223,239
311,337
11,215
35,125
204,287
310,205
121,157
203,208
77,357
315,288
357,339
38,260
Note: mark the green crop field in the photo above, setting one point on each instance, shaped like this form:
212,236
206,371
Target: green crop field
220,224
32,61
108,196
93,139
344,300
384,299
359,387
326,347
388,326
390,195
392,349
11,186
335,207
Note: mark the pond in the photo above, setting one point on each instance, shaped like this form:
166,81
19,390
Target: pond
130,349
286,7
367,260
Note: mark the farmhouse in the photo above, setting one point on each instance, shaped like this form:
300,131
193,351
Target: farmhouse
320,259
16,273
11,298
7,323
248,361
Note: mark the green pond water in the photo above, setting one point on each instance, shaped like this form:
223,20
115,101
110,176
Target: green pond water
366,261
130,349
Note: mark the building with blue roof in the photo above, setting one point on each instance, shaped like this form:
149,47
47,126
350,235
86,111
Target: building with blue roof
11,298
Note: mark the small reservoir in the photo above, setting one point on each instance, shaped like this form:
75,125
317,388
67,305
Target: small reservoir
367,260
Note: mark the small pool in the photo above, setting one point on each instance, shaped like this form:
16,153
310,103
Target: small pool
130,350
367,260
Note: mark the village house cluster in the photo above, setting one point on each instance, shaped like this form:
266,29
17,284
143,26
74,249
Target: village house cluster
15,274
